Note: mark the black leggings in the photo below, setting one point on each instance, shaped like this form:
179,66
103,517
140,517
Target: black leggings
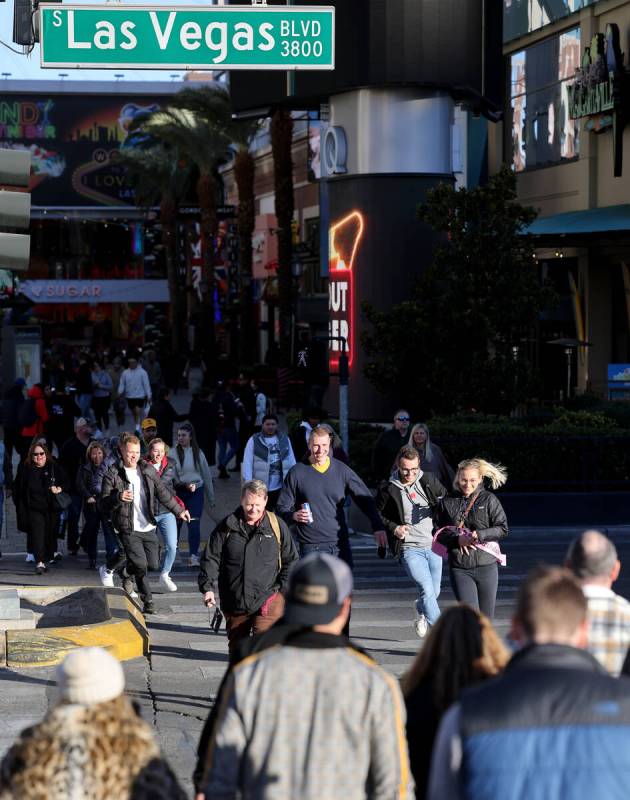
477,587
43,534
100,407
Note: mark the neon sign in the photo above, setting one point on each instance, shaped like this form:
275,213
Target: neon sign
26,120
344,237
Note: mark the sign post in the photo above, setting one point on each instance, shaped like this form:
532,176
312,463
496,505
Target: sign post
116,36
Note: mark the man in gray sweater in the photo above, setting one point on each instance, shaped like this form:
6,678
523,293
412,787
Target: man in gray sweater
323,483
312,717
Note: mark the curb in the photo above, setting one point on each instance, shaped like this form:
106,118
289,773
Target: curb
124,635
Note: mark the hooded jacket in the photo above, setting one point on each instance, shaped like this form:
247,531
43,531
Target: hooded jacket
390,506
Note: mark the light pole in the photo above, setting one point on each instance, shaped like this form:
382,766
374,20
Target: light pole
344,380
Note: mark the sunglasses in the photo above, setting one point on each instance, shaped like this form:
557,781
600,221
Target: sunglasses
40,453
403,419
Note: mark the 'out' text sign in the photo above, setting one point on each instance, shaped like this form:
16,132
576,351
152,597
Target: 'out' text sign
187,37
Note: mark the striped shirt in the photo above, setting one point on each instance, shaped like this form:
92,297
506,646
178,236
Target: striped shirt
609,631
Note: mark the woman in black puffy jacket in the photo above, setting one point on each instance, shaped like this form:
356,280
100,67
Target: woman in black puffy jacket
473,516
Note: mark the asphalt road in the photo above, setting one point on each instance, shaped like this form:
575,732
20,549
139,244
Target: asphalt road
176,684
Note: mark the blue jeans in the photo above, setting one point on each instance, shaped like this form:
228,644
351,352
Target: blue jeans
167,526
85,404
305,549
228,445
424,567
194,503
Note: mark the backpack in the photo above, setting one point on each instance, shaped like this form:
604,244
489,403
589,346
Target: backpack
27,415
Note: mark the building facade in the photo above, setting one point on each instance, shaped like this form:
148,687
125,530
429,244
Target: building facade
563,133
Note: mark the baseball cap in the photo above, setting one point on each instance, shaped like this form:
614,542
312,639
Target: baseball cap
148,423
318,585
82,422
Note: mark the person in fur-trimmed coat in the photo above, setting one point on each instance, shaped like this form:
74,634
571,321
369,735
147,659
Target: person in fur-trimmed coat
92,745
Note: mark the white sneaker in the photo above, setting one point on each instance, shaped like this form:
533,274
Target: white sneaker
107,577
167,583
421,625
193,561
29,557
133,594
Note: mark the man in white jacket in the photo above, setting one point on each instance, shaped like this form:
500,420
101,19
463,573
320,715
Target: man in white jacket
268,457
134,386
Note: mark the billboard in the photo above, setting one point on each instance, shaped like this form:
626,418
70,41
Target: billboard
75,141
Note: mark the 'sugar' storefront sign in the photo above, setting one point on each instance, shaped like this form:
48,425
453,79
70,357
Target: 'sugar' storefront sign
187,37
344,240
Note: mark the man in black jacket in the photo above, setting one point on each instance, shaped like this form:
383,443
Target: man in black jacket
249,554
389,443
407,503
128,499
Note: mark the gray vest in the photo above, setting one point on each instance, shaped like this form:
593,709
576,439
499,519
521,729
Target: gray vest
260,467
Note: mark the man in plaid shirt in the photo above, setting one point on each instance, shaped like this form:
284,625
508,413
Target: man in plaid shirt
592,557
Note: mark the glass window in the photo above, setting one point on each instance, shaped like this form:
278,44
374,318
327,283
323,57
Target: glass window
521,17
541,130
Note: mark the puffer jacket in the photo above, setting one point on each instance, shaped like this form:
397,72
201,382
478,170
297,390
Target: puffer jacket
120,513
89,480
247,567
166,473
486,517
553,726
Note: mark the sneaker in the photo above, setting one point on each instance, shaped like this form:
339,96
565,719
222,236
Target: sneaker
421,625
29,558
56,558
106,576
40,568
193,561
167,583
149,608
127,585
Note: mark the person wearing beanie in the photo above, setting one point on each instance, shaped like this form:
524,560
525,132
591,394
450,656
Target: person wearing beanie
91,744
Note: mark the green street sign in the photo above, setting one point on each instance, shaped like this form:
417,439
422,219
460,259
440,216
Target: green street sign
187,37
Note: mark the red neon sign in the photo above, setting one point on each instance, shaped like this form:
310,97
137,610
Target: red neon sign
343,242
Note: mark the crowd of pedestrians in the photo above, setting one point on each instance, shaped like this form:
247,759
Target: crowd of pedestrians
302,712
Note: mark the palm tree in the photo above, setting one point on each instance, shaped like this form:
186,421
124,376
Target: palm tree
213,106
205,141
281,143
159,176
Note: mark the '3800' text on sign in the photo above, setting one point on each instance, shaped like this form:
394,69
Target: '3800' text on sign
186,37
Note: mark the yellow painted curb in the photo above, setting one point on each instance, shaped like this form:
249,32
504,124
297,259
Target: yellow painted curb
124,635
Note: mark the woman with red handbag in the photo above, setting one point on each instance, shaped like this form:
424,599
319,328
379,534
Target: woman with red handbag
472,521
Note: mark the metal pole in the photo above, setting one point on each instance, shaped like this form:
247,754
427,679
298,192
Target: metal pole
344,380
290,72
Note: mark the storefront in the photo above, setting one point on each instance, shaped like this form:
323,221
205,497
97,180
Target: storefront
563,134
87,235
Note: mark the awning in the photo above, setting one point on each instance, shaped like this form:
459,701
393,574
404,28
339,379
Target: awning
594,220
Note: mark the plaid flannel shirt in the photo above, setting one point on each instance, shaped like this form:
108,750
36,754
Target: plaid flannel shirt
609,633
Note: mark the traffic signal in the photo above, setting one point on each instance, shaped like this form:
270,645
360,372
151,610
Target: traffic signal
23,32
15,209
